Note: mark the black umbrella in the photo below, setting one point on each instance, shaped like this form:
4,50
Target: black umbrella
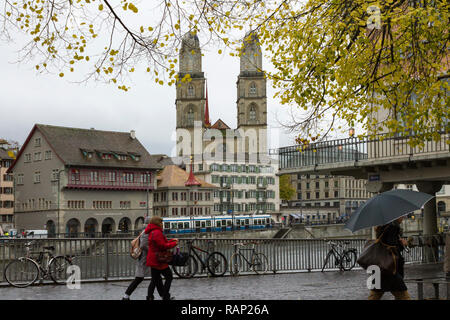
386,207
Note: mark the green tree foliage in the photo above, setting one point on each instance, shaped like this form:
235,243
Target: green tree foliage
381,64
286,189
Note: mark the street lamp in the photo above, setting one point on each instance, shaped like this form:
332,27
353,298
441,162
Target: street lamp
59,207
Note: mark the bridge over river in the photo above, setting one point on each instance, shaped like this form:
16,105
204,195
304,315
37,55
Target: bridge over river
382,160
331,285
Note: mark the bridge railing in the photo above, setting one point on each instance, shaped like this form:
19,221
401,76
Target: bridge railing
359,148
109,258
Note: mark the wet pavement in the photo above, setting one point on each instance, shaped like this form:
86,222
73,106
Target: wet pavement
350,285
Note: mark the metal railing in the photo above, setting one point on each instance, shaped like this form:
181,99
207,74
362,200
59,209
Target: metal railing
358,148
109,258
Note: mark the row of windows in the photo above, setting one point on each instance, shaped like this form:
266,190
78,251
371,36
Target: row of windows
6,190
110,176
38,156
191,211
6,204
243,180
240,168
31,204
239,194
80,204
7,218
110,155
5,163
317,185
42,204
182,196
8,177
37,177
317,194
244,207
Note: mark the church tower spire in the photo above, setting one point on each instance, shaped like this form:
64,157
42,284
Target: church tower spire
251,88
207,120
190,97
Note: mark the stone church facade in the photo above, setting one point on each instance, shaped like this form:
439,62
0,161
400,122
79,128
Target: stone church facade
234,159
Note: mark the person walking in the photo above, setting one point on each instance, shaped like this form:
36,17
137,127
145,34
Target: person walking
391,235
157,242
141,266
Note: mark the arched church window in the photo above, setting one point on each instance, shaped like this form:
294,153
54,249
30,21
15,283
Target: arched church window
252,89
190,116
191,91
252,113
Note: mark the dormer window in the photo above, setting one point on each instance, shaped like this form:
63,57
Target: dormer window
121,156
106,156
134,156
88,154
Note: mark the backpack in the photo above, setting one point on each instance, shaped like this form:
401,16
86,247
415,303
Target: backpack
136,251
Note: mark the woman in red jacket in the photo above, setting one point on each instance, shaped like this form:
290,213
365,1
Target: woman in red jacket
157,242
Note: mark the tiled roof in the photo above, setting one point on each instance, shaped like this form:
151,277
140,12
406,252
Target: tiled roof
220,125
174,176
69,143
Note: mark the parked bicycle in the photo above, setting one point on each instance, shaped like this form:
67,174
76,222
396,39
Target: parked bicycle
215,262
24,271
344,258
257,260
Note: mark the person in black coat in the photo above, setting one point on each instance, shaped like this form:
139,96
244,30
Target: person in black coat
391,235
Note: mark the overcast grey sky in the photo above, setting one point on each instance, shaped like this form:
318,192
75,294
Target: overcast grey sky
27,97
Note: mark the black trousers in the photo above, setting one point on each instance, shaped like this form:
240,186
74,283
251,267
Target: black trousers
133,285
163,289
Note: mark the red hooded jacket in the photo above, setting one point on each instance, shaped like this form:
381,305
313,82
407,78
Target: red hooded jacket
157,242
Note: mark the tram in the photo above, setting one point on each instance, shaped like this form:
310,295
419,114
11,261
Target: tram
220,223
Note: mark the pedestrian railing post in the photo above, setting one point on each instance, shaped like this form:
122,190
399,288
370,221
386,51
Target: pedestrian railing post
308,246
106,251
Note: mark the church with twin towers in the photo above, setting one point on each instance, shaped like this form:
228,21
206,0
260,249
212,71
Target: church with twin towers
235,160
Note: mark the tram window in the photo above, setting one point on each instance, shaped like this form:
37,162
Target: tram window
186,225
224,223
180,225
166,225
228,222
268,221
203,224
208,223
197,224
174,225
247,221
218,223
238,222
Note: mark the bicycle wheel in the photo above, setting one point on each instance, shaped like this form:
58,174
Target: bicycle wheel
260,263
57,269
188,270
21,272
235,264
326,260
348,260
217,264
